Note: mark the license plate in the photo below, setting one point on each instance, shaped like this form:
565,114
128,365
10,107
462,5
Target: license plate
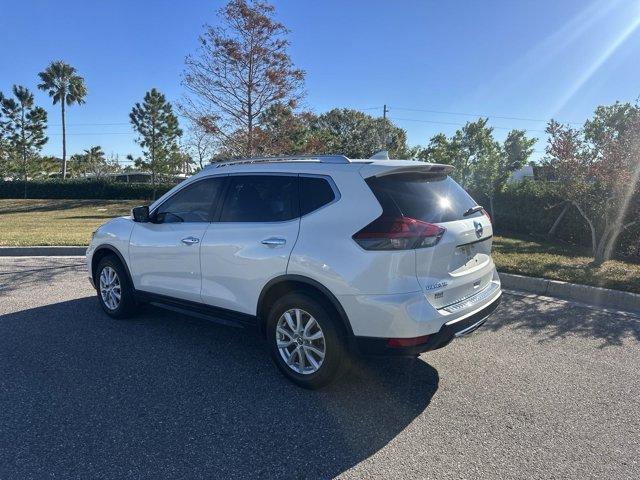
467,252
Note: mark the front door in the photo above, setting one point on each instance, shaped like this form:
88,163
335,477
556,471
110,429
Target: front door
165,253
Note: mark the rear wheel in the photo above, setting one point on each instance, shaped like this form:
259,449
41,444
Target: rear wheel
114,289
305,341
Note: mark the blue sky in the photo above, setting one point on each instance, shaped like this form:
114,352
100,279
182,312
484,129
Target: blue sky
435,63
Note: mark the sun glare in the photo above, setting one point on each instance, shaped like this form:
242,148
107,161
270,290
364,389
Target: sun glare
595,65
445,203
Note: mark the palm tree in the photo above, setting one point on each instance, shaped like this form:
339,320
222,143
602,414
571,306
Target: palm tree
60,81
94,158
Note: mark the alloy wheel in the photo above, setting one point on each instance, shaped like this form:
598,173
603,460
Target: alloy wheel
110,288
300,341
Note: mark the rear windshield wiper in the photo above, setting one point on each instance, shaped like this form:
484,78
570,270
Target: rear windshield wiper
472,210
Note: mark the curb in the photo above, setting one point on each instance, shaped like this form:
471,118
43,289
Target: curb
42,251
601,297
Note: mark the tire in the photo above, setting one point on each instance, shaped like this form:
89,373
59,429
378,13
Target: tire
306,368
125,306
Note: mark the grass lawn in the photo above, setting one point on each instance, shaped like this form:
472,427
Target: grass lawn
70,222
525,256
56,222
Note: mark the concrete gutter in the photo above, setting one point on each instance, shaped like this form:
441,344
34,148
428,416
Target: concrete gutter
42,251
601,297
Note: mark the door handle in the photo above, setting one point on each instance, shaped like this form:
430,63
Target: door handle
274,241
190,240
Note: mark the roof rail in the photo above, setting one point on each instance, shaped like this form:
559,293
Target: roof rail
292,158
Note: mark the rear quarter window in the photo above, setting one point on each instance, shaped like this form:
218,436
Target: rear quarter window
423,197
315,192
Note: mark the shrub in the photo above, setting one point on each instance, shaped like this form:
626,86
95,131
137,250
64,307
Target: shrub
82,189
531,208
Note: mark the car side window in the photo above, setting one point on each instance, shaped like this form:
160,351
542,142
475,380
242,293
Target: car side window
194,203
315,192
261,198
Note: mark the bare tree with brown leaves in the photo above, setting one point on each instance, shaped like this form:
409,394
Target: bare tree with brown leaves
240,70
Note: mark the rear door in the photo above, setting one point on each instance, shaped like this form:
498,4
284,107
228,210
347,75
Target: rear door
460,264
251,241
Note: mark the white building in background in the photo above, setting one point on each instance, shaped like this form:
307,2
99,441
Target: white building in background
520,175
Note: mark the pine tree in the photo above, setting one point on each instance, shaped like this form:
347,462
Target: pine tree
23,126
158,133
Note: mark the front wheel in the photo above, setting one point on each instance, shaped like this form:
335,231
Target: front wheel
114,290
305,341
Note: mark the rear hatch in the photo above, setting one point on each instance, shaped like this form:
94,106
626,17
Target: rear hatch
455,261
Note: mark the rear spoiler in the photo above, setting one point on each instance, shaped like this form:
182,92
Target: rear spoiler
382,170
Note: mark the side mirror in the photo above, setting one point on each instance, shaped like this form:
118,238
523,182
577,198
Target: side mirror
140,214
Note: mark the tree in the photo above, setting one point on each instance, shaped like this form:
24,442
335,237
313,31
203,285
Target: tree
358,135
23,125
182,162
469,146
598,169
474,145
46,166
5,153
158,134
62,84
480,162
439,150
285,132
92,162
517,151
241,69
492,170
200,144
608,122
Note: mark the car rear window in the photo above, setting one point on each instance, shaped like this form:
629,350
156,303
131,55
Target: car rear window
423,197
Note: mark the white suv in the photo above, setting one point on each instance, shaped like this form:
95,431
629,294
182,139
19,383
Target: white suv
325,255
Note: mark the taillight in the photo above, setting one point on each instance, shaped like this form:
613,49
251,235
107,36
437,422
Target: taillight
484,212
398,233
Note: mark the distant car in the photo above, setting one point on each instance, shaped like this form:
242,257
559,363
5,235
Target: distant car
326,256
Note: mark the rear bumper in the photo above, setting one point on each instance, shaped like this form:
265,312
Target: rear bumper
380,346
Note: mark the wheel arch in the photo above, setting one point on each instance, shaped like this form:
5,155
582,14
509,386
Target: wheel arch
283,284
102,251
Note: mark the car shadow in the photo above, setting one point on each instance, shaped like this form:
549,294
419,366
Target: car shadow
165,395
550,319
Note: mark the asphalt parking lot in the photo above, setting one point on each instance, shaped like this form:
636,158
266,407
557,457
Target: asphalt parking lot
547,389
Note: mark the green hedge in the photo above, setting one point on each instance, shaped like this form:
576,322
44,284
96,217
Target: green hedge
525,208
82,189
532,208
